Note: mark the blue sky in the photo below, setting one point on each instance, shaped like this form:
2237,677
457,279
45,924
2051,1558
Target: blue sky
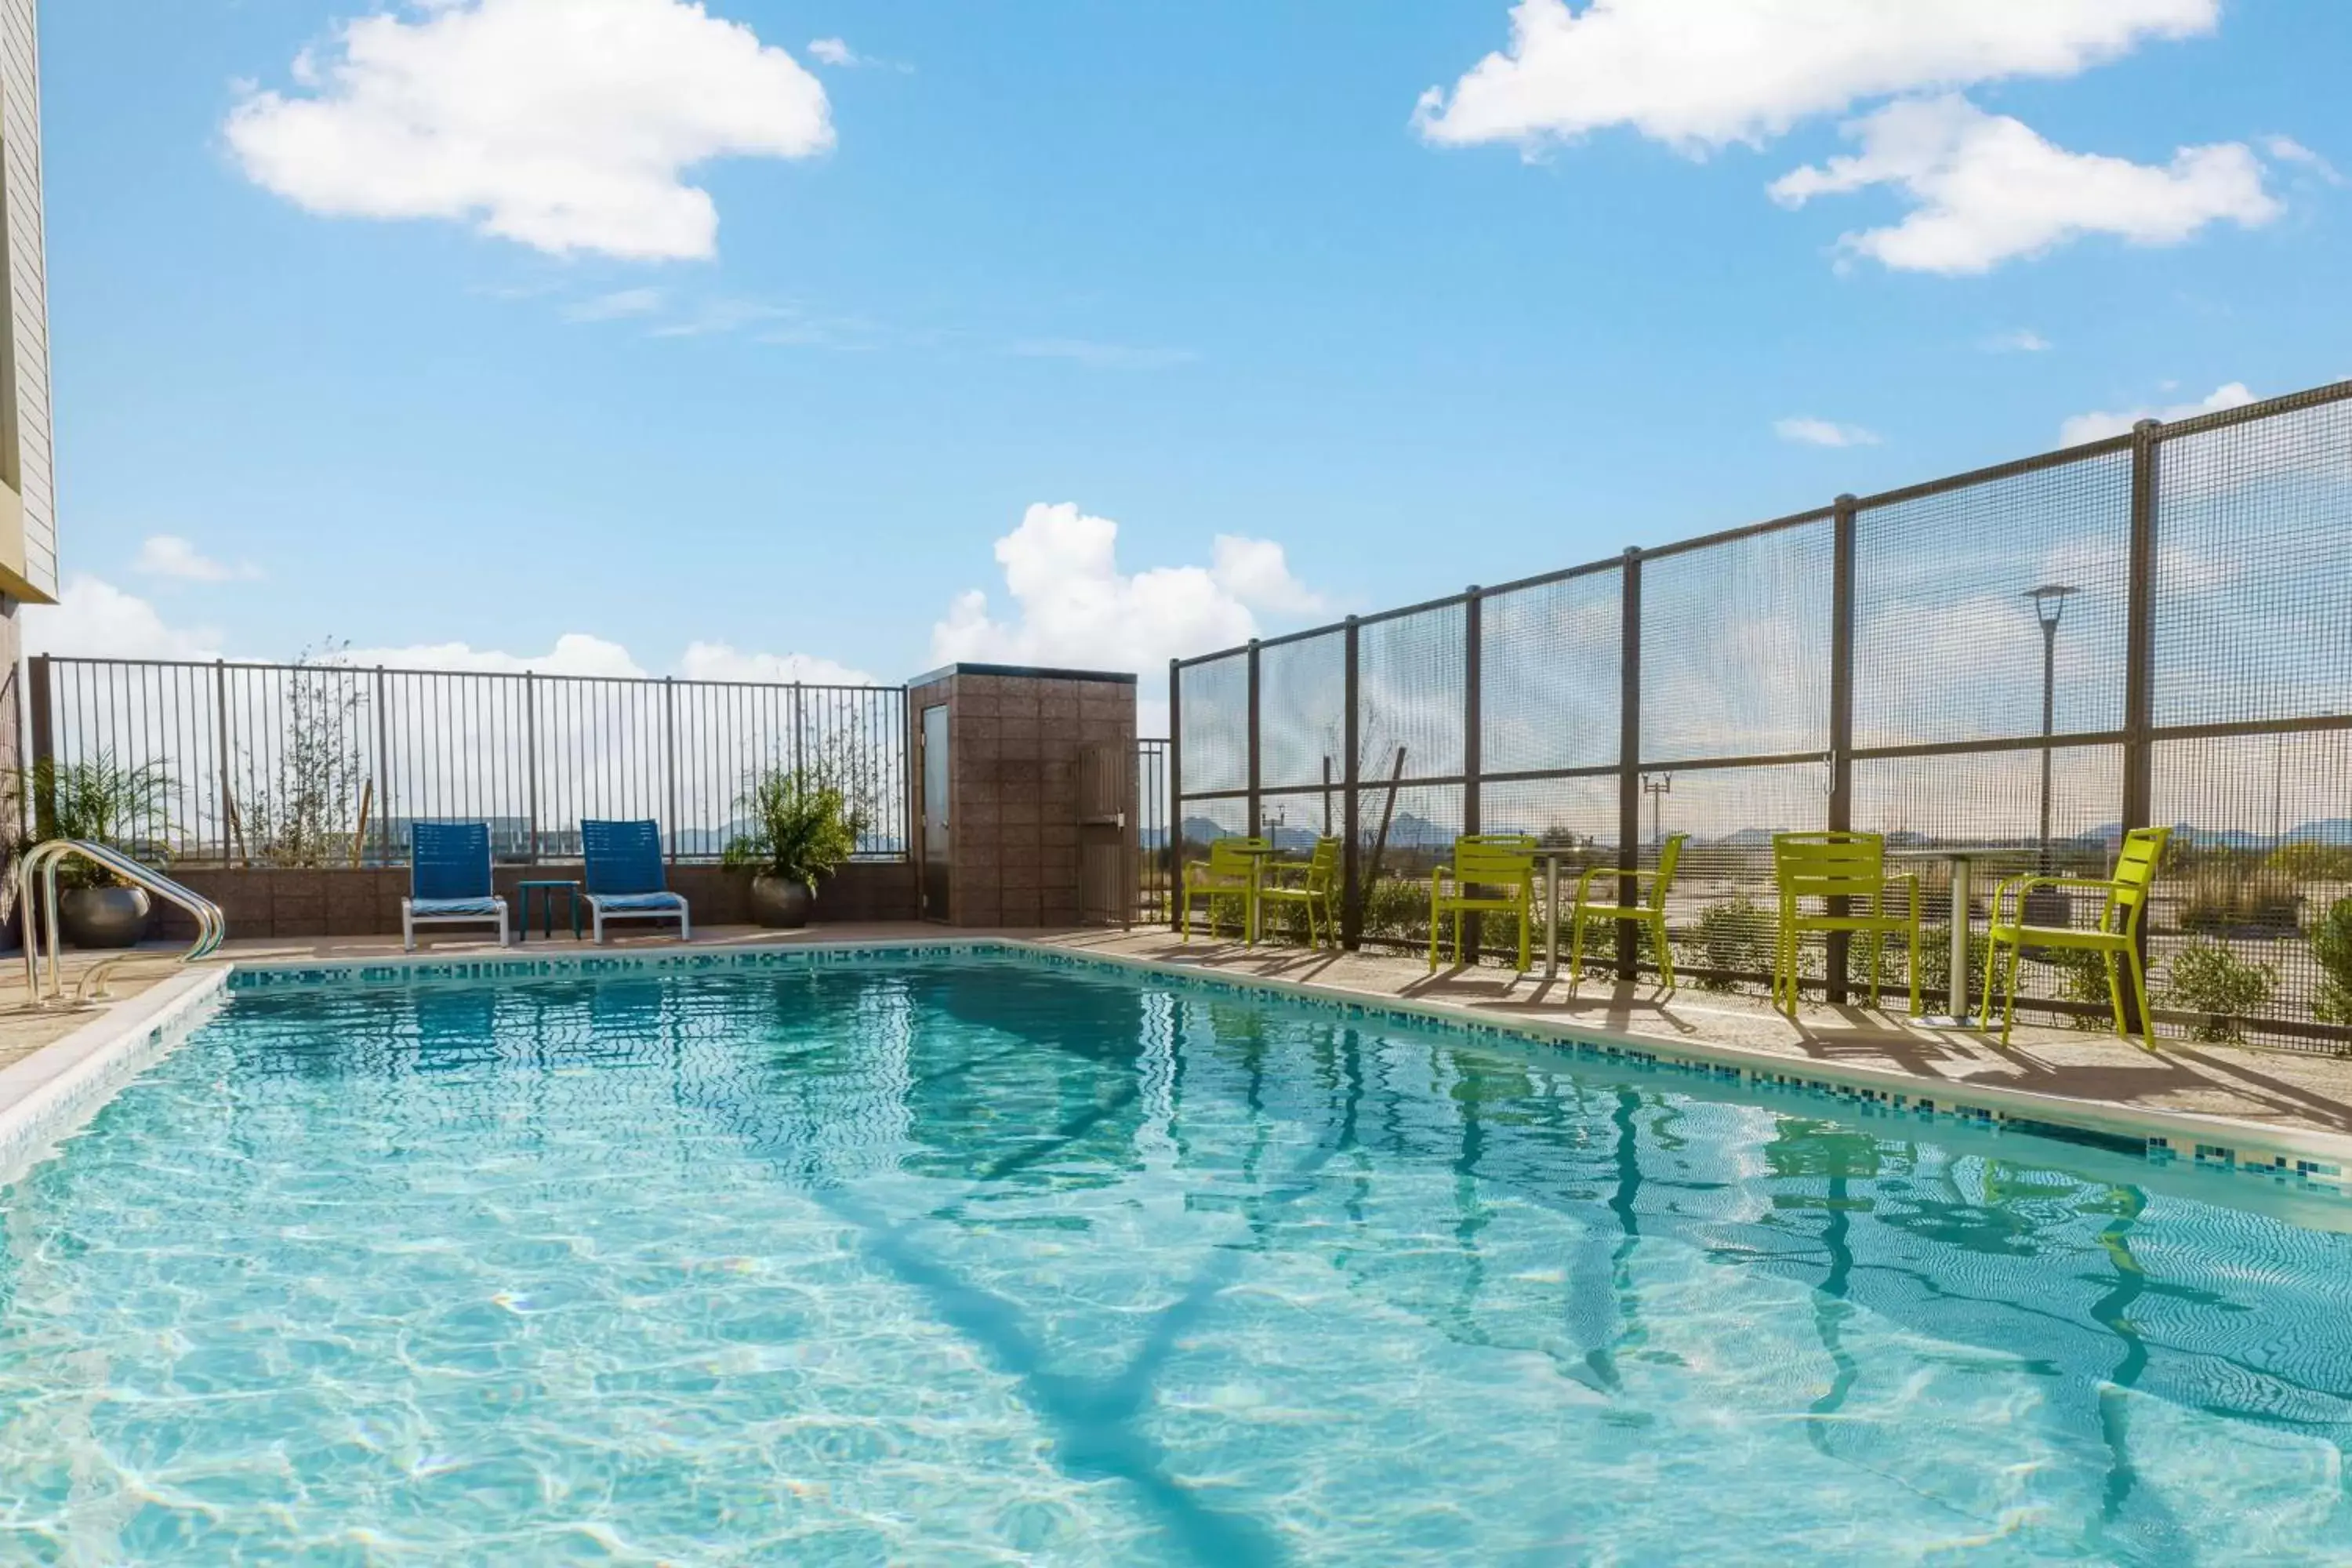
1020,273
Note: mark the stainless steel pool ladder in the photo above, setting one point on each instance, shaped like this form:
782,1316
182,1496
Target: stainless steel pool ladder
40,863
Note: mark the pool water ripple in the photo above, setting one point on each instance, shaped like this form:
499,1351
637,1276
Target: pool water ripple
972,1261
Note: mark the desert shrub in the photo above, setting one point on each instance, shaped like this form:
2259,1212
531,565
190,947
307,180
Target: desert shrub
2331,944
2206,978
1737,935
2221,902
2305,862
1398,909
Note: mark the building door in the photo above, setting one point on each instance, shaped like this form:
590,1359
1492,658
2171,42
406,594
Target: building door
936,774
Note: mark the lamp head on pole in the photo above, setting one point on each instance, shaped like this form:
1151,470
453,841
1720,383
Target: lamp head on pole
2050,602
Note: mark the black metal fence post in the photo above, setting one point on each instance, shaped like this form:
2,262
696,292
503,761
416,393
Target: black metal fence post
1472,928
1841,757
1629,760
2139,655
1351,897
1256,820
1175,793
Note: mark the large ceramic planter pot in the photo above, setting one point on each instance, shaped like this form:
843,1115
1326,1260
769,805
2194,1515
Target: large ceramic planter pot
780,904
104,916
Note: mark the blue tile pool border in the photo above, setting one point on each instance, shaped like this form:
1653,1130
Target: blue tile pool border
2302,1160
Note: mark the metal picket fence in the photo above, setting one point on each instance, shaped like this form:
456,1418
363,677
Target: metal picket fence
328,763
2026,660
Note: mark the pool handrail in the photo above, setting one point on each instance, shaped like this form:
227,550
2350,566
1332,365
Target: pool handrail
41,862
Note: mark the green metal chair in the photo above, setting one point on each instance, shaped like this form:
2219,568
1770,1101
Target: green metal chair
1317,889
2116,936
1230,872
1506,861
1847,872
1649,912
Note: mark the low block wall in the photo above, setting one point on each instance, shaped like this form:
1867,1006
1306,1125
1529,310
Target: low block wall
366,902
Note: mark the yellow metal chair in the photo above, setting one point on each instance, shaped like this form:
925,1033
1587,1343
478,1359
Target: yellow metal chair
1317,889
1649,911
1229,872
1850,868
1504,862
2116,936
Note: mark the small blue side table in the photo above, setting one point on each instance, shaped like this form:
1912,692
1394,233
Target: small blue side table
547,891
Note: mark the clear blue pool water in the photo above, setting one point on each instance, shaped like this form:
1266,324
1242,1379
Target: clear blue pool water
989,1262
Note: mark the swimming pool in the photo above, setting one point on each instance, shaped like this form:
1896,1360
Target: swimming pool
980,1259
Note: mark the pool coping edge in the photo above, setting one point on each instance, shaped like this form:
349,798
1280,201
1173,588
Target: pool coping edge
48,1095
2322,1160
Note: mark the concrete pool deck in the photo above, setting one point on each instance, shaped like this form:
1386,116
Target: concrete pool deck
2293,1093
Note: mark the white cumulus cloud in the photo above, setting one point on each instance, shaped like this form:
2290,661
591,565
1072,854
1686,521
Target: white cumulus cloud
2019,341
94,619
169,555
2100,424
566,125
1704,73
1987,188
1809,432
718,661
1074,607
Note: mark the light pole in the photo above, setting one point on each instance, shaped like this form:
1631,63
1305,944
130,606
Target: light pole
2049,608
1657,788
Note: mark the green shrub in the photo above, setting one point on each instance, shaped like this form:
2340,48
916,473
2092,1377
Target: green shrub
2083,977
1734,935
2331,944
2206,978
800,825
1397,909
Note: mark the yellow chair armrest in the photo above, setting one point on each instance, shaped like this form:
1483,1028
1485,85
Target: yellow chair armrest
2026,884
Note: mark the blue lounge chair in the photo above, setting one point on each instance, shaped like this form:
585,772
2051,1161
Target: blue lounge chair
449,879
625,875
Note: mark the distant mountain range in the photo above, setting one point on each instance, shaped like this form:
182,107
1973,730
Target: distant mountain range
1408,831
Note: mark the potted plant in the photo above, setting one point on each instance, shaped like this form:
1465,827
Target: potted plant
105,802
799,826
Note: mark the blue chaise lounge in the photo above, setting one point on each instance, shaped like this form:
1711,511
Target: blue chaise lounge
449,879
625,875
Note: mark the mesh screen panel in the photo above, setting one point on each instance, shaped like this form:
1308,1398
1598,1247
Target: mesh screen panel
2253,570
1570,812
2261,859
1294,818
1205,820
1426,821
1550,662
1940,591
1736,646
1730,814
2249,601
1992,800
1302,710
1214,698
1410,679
